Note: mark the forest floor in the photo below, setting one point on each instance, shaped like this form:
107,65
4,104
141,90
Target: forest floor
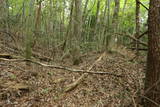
38,86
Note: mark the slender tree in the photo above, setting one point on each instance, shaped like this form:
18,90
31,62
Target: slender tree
78,19
29,32
96,18
77,31
38,15
85,10
116,14
104,23
113,38
137,24
69,33
108,23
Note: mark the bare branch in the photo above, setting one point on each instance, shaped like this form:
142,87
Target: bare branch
143,5
61,67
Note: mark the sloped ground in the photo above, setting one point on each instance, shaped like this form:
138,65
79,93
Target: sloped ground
36,86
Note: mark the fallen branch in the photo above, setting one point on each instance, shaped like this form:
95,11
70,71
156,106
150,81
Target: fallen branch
155,103
155,84
131,37
41,57
34,54
7,56
146,32
79,80
59,67
140,49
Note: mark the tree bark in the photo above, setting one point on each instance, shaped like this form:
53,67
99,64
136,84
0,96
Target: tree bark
85,10
29,35
67,39
96,19
114,39
77,32
116,13
78,19
152,91
137,24
38,16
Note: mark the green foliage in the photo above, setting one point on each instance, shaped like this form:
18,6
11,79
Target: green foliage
55,19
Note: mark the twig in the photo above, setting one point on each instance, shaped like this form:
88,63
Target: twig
17,68
140,49
146,32
143,5
134,102
7,56
150,100
152,86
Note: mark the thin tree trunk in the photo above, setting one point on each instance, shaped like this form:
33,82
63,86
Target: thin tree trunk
116,14
104,23
77,32
96,19
137,24
67,40
38,16
29,32
78,19
113,38
108,11
107,38
85,9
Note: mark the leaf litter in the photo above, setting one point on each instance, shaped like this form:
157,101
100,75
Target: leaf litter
36,86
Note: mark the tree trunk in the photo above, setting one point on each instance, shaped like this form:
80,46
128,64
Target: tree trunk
77,32
113,39
78,19
96,19
38,16
69,33
29,36
103,33
108,12
137,24
116,14
107,37
85,10
152,83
